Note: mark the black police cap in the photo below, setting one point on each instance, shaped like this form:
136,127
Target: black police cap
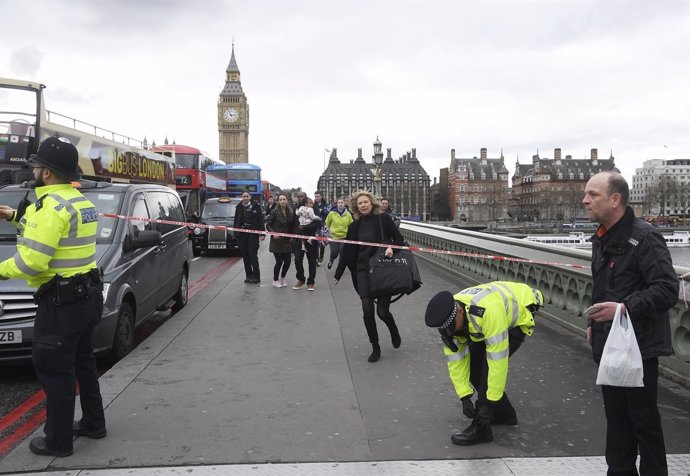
59,155
440,309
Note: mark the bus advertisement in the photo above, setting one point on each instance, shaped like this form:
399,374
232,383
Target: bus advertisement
193,182
240,177
103,155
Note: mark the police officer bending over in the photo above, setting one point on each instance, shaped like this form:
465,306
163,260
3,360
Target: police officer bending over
56,253
481,327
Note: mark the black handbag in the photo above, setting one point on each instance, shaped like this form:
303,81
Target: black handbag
393,276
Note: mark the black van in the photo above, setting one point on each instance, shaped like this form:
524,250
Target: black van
218,212
145,266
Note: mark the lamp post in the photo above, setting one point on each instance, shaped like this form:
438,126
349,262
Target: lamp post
378,160
325,151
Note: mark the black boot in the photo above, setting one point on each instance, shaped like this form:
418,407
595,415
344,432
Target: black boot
479,431
375,353
395,335
505,419
504,414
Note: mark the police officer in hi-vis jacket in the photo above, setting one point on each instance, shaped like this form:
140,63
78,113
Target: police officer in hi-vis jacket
56,253
481,327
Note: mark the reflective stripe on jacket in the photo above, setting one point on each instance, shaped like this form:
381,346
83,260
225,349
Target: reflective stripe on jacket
491,310
58,236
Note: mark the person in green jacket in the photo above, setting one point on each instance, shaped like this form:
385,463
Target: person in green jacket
337,221
481,327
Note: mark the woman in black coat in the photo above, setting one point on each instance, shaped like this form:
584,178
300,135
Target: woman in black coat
369,225
280,221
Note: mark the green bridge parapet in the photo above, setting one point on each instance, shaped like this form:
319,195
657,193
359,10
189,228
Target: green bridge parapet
567,290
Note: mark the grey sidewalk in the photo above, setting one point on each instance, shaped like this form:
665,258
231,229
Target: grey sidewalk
247,375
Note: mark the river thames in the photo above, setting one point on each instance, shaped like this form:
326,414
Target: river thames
681,256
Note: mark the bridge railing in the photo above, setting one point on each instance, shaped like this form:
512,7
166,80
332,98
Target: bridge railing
567,290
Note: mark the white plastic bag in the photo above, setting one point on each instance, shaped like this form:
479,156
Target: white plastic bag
621,361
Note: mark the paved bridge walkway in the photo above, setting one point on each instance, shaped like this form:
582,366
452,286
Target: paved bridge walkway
255,380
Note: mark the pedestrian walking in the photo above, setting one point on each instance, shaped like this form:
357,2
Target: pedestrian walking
481,327
385,208
307,223
337,221
249,216
369,225
56,252
279,221
270,206
631,265
321,209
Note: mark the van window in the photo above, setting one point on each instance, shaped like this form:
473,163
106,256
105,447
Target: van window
166,207
139,209
105,202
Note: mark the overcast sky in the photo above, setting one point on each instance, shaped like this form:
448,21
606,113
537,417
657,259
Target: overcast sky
515,75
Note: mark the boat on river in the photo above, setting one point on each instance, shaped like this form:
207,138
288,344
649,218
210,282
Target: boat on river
677,239
578,239
575,239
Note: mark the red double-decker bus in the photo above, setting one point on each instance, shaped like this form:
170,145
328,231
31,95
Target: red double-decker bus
193,183
270,190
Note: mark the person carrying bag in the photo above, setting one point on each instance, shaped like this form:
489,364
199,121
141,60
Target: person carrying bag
397,275
369,226
621,360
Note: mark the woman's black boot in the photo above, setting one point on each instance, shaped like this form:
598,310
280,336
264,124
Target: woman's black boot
375,353
395,335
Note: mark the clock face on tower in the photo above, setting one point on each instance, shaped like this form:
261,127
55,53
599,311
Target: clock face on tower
231,114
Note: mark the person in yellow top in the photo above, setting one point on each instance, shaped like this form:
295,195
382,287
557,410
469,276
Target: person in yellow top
481,327
56,253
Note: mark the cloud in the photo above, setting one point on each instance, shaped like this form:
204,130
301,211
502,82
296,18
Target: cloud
26,61
520,75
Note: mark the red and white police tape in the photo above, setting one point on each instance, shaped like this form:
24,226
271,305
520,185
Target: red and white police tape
328,240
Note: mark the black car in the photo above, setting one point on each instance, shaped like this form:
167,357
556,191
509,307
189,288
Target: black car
218,212
145,266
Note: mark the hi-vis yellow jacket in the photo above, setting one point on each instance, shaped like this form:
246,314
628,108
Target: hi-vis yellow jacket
58,237
491,310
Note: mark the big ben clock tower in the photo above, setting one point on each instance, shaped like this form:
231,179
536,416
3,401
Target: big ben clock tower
233,117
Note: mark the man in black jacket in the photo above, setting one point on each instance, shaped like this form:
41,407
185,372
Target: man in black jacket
248,215
631,265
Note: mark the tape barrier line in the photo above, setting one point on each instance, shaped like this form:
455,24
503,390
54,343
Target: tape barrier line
351,242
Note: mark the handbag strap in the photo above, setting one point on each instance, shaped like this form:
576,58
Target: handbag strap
381,227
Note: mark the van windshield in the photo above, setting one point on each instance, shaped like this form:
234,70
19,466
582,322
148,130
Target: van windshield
104,201
215,210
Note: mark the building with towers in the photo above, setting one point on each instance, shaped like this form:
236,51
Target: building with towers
233,117
403,181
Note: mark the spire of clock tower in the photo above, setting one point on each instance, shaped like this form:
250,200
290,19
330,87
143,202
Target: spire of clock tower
232,73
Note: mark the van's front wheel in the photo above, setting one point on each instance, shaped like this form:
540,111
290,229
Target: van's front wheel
182,293
124,332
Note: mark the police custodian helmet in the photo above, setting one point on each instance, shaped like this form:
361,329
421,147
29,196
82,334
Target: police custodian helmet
58,155
441,310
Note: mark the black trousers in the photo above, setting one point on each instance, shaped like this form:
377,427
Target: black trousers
249,248
336,248
382,310
312,251
479,371
61,353
282,265
633,423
